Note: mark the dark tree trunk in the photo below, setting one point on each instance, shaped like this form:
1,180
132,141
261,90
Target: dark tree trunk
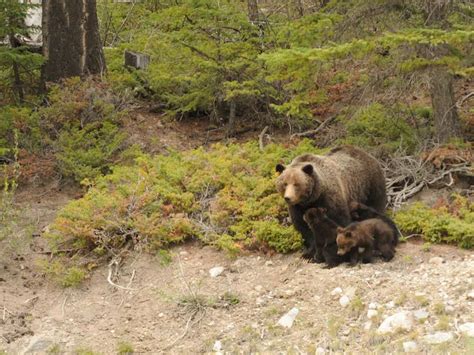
17,83
231,123
446,120
71,41
253,10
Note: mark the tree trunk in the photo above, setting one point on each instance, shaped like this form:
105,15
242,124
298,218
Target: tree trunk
253,10
446,120
231,123
71,41
17,83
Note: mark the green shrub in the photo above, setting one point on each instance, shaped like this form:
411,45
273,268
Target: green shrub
376,127
224,196
440,225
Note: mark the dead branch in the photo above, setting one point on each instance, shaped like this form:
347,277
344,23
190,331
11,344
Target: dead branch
113,270
261,136
408,175
313,132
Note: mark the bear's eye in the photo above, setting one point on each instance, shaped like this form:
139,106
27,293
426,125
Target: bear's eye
296,185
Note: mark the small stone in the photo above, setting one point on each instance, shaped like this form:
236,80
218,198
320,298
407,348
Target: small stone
438,337
467,329
410,346
420,294
217,346
260,301
344,301
216,271
390,305
368,325
287,320
436,260
258,288
337,291
470,295
421,314
399,321
184,252
161,315
320,351
346,331
373,305
269,263
372,313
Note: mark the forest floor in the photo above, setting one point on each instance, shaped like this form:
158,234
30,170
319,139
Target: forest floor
175,306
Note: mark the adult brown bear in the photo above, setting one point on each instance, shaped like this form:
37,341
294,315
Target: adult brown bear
331,181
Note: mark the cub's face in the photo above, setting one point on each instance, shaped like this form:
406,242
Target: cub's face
345,241
295,183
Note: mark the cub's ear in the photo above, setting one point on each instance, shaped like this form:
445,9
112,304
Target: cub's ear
279,168
348,234
340,230
308,169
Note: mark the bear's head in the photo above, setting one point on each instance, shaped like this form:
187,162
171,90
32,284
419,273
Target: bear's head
345,241
297,183
314,215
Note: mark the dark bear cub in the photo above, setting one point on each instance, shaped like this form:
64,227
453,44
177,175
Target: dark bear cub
360,212
369,234
325,231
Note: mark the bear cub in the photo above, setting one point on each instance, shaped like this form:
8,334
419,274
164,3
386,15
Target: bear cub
325,231
359,239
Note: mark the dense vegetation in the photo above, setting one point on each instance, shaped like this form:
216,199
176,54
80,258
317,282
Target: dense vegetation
388,75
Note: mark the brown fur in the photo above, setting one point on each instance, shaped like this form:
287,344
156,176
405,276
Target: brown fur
370,234
330,181
325,230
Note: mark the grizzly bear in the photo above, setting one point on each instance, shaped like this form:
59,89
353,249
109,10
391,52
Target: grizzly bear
360,212
325,231
369,234
330,181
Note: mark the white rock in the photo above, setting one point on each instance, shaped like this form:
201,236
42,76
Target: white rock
436,260
467,329
336,291
287,320
372,313
344,301
373,305
258,288
320,351
421,314
268,263
368,325
410,346
399,321
419,294
217,346
438,337
390,305
216,271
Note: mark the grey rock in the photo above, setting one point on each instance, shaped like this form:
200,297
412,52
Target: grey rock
438,337
399,321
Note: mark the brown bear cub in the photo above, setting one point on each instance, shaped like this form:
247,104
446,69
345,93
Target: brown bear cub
360,212
325,231
359,239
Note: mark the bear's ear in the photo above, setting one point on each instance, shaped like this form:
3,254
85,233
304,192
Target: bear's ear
340,230
348,234
279,168
308,169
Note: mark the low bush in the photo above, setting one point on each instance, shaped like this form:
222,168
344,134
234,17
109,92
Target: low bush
224,196
452,223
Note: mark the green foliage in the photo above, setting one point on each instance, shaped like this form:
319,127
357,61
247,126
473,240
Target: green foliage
376,127
62,273
124,348
224,196
19,67
79,128
440,225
